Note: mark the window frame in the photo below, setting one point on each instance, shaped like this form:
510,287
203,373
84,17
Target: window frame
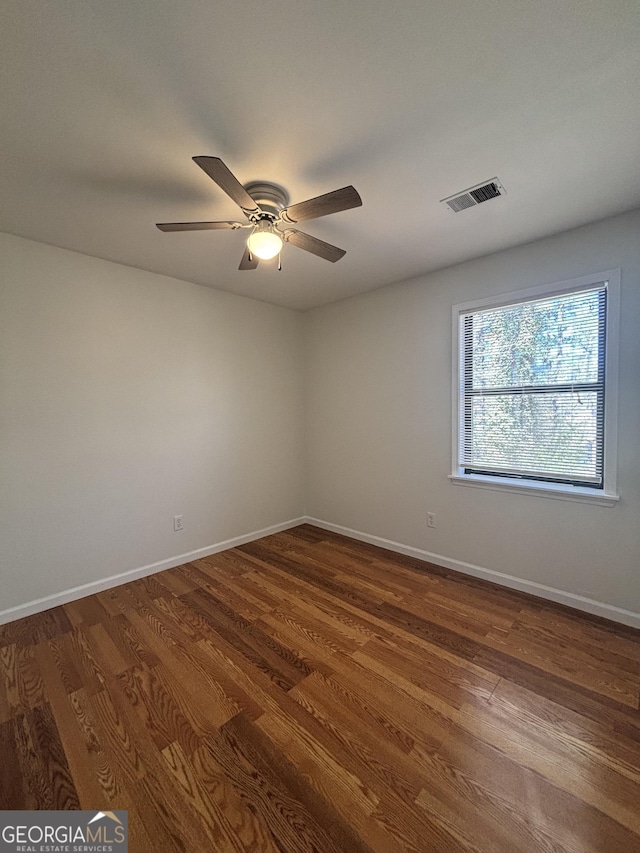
605,496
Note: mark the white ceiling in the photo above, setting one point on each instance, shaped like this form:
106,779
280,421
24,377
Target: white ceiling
104,102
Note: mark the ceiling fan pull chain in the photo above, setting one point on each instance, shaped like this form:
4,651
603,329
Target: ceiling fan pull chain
279,261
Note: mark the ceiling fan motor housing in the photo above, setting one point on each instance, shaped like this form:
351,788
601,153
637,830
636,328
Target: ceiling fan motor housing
270,198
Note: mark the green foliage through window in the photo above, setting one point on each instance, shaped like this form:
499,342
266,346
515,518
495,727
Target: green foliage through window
533,388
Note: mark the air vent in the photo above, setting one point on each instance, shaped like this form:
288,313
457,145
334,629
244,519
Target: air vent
474,196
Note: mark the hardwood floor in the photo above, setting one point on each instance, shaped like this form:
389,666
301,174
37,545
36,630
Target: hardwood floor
311,693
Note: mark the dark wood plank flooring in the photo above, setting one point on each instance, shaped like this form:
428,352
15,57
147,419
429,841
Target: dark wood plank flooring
307,692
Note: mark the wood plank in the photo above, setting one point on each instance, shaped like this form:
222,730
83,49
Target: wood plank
519,808
158,709
13,786
296,815
20,679
47,781
55,679
213,820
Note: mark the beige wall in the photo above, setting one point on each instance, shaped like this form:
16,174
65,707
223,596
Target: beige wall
378,425
127,398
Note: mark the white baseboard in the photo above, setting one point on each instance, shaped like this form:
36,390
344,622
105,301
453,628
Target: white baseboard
76,592
570,599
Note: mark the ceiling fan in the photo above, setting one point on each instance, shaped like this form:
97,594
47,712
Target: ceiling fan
265,206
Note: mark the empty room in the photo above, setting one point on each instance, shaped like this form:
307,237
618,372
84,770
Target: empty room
319,426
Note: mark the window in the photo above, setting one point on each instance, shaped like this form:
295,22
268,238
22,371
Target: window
535,395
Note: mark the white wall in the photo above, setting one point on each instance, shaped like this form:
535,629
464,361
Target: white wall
378,424
127,398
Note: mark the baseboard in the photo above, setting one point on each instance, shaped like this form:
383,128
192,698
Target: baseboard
76,592
570,599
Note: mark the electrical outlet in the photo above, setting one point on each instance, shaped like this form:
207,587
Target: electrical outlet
177,523
431,519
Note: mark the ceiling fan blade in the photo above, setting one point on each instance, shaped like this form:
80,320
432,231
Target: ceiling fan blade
245,263
196,226
313,245
322,205
227,181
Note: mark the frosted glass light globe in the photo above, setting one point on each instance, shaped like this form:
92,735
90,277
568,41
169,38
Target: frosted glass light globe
264,244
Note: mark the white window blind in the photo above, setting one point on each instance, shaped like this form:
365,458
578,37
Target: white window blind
532,386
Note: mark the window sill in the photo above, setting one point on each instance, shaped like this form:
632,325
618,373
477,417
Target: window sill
542,490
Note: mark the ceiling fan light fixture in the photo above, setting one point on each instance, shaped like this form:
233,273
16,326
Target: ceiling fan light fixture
265,243
267,208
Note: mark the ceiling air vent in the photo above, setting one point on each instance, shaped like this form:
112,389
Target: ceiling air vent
474,196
